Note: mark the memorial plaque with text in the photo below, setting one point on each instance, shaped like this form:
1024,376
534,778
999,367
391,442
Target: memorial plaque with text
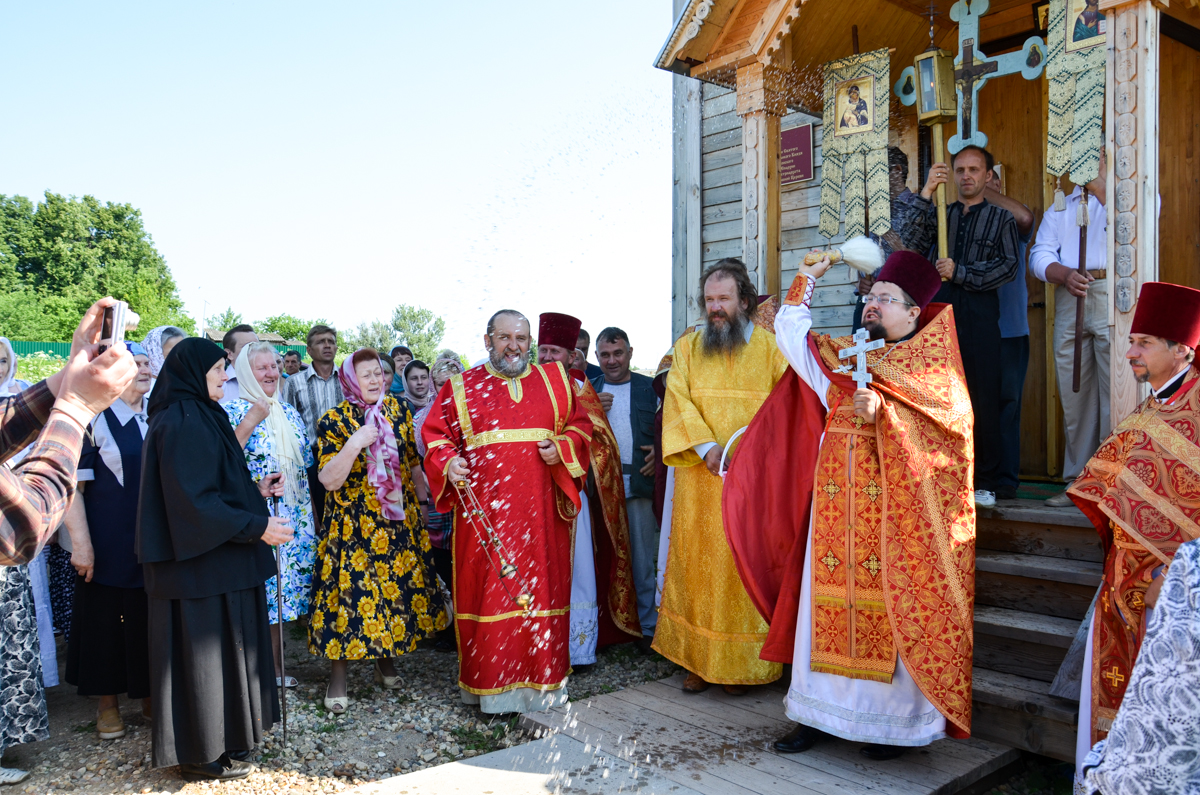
796,155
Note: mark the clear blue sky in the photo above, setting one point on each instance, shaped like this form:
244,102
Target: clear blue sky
336,159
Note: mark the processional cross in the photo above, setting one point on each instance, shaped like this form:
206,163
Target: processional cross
861,375
973,69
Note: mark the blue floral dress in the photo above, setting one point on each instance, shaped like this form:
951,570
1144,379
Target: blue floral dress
299,554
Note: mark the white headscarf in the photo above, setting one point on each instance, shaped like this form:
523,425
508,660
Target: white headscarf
11,385
289,456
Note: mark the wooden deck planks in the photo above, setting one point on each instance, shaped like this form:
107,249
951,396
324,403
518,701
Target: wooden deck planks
716,743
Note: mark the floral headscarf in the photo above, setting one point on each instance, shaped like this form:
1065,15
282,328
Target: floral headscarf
383,456
11,385
153,344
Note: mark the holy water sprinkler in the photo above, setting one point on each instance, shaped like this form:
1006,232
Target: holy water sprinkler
861,253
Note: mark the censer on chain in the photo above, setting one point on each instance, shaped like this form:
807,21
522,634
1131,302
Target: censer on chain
491,543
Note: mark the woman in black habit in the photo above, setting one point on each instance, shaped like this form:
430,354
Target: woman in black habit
202,537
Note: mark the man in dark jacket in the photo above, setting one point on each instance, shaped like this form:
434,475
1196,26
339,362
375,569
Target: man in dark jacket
630,402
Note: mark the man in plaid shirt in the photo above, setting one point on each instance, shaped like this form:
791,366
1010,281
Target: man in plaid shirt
34,495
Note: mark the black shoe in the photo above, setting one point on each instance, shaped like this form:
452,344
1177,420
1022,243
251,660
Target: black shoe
239,756
800,739
224,769
881,753
643,644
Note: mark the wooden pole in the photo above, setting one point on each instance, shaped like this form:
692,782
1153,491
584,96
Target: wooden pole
1080,301
939,154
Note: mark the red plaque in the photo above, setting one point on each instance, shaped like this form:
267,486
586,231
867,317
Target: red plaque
796,155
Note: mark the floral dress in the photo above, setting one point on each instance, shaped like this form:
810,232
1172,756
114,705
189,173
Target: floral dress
375,593
299,554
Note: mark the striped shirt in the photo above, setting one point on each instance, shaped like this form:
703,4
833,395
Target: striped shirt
312,396
983,244
35,494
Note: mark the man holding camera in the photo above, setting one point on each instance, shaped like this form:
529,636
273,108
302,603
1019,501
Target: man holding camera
34,495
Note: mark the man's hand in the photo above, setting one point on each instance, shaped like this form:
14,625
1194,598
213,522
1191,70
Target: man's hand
83,558
712,460
866,403
1075,282
271,485
945,266
818,270
279,531
259,411
89,383
549,452
648,468
939,174
606,400
458,470
364,437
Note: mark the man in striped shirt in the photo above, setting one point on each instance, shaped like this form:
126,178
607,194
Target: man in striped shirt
313,392
984,255
35,494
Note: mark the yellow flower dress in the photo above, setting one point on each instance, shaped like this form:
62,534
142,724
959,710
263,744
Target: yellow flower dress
375,592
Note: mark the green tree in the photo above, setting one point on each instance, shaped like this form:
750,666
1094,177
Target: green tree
225,321
289,327
60,255
376,334
419,329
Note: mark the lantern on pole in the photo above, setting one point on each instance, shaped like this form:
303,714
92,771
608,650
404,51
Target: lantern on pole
937,103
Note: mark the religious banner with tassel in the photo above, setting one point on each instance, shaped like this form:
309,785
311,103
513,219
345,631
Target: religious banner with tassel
1075,70
854,144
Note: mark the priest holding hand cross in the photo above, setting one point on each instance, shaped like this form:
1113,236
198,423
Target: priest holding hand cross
873,600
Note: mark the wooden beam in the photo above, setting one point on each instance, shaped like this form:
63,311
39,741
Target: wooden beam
733,15
732,61
760,108
939,27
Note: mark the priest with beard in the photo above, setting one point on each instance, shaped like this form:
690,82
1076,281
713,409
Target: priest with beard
851,516
603,598
722,373
513,435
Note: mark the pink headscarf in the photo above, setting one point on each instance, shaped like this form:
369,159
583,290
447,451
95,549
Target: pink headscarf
383,456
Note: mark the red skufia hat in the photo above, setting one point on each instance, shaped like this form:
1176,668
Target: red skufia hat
913,274
559,330
1170,311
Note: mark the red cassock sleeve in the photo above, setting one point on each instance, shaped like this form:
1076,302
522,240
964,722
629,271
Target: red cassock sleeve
443,441
573,440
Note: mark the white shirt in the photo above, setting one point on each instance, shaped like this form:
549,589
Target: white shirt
232,392
702,449
1058,238
619,419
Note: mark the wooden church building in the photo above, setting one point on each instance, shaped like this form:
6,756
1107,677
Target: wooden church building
747,72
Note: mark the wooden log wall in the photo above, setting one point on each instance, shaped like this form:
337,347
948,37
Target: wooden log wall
721,208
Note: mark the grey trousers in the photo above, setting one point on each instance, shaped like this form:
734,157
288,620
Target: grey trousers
643,548
1086,417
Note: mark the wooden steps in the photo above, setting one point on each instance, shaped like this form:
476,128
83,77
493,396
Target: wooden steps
1036,570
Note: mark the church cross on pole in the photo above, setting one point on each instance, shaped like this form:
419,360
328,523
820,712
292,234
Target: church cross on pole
973,69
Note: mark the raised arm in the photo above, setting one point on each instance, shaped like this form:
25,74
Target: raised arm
792,325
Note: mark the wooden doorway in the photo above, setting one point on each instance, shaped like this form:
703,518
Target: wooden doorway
1179,155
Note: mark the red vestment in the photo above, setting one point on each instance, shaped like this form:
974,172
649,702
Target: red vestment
495,423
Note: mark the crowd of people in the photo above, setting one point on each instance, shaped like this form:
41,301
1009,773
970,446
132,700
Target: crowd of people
771,496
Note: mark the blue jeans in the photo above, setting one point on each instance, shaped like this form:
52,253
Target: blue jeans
643,549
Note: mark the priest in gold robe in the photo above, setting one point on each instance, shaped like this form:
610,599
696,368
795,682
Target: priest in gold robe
721,375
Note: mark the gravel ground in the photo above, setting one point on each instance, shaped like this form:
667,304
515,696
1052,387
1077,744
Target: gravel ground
382,734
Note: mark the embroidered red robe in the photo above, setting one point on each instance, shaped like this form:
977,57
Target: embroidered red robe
495,423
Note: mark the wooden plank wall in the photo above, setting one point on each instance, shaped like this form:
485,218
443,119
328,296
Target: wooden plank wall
1179,164
721,209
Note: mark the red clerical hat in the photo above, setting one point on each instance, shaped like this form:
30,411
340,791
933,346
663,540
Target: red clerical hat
559,330
1170,311
914,275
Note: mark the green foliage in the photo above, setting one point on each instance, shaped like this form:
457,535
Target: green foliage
376,334
39,366
289,327
419,329
59,256
225,321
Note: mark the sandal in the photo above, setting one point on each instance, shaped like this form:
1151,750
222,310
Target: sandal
11,775
336,705
388,682
291,682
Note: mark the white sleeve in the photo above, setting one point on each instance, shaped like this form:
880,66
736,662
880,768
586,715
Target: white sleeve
703,448
1045,251
792,324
